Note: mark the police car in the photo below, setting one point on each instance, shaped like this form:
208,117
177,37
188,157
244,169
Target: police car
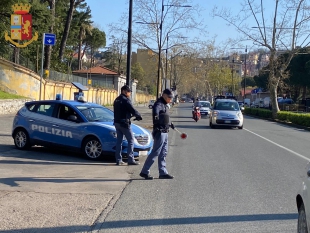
74,125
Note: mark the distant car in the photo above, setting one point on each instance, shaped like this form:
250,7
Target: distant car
286,101
303,203
241,104
190,101
151,103
204,107
226,112
75,126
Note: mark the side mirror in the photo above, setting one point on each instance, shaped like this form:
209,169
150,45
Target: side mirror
242,108
72,118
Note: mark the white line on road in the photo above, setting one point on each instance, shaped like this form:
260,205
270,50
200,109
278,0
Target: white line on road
293,152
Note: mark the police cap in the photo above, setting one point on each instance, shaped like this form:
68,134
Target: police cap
168,93
126,88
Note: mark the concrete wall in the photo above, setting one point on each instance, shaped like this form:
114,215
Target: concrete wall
19,80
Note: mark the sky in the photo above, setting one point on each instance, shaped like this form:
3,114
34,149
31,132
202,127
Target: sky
105,12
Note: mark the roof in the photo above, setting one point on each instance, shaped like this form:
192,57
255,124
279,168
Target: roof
225,100
69,102
96,70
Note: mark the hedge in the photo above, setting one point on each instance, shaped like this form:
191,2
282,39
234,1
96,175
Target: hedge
302,119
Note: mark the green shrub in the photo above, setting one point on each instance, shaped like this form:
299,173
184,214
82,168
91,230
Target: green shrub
302,119
265,113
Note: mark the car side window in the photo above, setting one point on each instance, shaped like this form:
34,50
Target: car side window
67,113
45,109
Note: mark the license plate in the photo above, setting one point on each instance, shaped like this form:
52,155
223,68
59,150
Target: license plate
227,121
143,152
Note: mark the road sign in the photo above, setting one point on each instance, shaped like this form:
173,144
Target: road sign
49,39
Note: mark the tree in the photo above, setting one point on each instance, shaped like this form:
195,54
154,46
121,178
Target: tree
84,23
288,29
72,5
249,82
137,73
176,20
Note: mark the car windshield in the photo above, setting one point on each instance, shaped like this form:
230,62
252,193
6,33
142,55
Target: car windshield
204,104
93,114
227,106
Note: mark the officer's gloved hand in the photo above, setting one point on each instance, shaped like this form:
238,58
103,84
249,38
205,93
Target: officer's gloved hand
138,118
172,126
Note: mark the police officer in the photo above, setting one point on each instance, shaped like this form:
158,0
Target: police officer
160,134
123,111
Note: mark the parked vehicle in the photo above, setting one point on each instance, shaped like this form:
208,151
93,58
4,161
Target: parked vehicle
76,126
266,102
247,102
258,103
151,103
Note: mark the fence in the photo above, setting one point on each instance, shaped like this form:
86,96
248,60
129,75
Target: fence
68,78
8,52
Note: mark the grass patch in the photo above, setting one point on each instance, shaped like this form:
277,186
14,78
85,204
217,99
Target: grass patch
4,95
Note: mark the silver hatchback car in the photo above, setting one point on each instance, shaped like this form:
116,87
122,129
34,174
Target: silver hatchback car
226,112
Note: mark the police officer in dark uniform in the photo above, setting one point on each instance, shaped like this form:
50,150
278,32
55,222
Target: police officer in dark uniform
160,134
123,111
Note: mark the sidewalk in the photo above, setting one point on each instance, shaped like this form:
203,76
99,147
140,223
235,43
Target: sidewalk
58,192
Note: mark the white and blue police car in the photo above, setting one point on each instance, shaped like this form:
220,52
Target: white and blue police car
74,125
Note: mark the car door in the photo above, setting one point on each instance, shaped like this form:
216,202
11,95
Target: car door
40,122
68,127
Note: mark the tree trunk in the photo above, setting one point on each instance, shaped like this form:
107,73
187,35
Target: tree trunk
80,48
273,86
304,92
48,48
66,30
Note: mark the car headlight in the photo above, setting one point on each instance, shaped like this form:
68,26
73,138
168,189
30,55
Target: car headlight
215,113
113,134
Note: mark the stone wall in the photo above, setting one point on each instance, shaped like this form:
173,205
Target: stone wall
11,106
19,80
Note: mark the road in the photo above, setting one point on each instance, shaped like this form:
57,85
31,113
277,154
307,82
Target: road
226,180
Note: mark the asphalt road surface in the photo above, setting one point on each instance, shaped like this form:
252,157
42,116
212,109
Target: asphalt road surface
226,180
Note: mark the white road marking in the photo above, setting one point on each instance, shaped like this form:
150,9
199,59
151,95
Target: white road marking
283,147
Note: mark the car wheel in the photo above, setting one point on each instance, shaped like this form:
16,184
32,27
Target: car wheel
240,127
302,222
21,139
92,148
150,106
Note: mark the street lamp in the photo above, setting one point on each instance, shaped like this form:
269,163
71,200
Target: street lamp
166,71
128,67
232,76
160,41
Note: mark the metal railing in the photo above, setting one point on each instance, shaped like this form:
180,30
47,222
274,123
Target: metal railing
68,78
7,53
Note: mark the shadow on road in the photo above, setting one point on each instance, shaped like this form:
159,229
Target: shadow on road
47,155
199,220
13,181
161,222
